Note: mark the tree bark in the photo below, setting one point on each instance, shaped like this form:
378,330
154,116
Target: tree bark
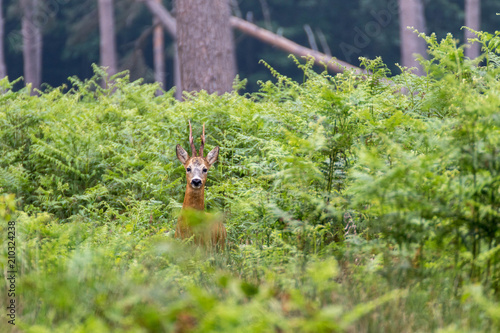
32,44
473,21
3,69
206,47
177,75
411,14
107,36
159,51
290,46
264,35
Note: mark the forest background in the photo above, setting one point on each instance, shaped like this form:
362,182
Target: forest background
356,199
347,30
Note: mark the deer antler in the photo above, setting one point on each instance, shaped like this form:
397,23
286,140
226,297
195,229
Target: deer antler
191,142
202,141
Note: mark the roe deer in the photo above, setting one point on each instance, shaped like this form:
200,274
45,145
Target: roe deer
192,221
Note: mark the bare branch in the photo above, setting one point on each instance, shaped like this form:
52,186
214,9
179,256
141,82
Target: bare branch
323,42
166,19
310,37
267,14
235,8
287,45
266,36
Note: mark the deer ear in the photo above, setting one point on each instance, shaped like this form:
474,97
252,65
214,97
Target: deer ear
212,156
182,155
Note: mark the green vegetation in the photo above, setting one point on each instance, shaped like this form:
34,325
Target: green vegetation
71,34
352,203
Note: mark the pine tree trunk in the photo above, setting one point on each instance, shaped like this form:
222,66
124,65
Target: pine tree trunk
107,36
473,21
266,36
3,69
158,51
32,44
205,44
177,75
411,14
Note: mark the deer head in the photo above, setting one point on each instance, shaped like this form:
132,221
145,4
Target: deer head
196,165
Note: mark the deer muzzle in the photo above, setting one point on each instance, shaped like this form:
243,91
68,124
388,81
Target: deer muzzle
196,182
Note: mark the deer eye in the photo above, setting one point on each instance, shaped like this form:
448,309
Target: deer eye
188,169
205,170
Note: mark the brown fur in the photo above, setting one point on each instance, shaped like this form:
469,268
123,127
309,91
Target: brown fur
205,229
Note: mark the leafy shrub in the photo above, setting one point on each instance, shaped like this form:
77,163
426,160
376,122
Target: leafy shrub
352,202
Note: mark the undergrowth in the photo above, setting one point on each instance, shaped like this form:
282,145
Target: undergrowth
352,202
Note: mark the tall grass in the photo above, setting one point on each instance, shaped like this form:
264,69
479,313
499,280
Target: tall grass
352,203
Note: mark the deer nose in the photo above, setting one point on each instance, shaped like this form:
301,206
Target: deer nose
196,182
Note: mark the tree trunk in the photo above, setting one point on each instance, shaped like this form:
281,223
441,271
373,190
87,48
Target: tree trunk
158,51
107,36
266,36
3,69
177,75
205,44
32,44
411,14
473,21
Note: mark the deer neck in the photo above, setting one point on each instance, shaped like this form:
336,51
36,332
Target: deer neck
194,198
